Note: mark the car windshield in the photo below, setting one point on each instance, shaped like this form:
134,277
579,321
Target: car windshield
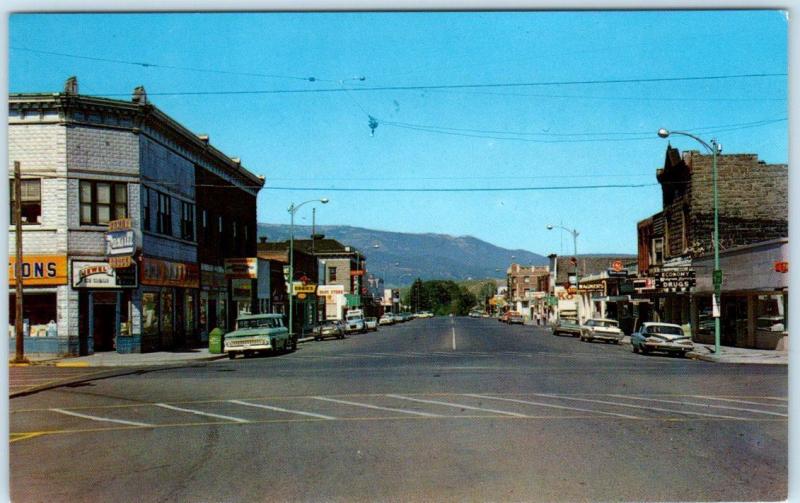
260,323
664,329
606,323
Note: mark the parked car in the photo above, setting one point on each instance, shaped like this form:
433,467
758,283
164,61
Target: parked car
386,319
372,324
667,337
426,314
474,314
255,333
515,317
568,326
331,328
601,329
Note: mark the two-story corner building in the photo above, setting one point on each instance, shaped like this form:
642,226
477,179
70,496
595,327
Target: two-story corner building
88,161
675,246
527,289
582,287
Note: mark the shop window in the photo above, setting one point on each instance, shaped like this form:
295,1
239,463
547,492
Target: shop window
187,221
164,214
150,313
770,313
31,201
38,309
102,202
189,313
166,311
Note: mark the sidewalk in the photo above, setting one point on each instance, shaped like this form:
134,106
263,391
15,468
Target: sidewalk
729,354
114,359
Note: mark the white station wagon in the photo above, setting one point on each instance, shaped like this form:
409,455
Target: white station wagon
661,337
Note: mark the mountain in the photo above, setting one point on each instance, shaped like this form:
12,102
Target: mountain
400,258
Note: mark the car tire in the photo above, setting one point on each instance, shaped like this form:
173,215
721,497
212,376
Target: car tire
635,348
231,355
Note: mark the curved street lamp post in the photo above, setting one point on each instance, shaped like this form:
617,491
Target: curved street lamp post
292,210
715,148
575,234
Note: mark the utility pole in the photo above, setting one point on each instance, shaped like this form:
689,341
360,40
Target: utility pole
20,343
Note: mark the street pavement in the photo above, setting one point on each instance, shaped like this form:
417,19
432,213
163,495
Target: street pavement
446,409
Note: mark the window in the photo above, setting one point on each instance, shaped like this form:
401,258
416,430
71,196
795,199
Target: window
31,201
102,202
204,224
331,273
233,224
146,208
164,214
657,254
187,221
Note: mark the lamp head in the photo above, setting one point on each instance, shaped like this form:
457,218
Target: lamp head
663,133
324,200
549,227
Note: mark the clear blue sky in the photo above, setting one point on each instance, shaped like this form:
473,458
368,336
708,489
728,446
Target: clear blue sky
486,137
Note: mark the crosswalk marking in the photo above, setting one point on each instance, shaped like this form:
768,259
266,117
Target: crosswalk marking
279,409
96,418
201,413
542,404
370,406
695,404
459,406
619,404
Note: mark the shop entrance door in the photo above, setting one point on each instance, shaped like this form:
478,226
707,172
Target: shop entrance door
212,314
104,320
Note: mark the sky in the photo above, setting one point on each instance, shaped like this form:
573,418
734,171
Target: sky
483,101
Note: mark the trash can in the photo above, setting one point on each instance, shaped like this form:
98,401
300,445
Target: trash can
215,341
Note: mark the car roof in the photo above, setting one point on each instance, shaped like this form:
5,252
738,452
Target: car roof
259,316
603,319
659,324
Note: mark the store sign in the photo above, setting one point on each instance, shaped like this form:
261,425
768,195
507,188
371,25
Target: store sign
122,224
305,288
241,290
357,273
782,267
101,275
617,273
592,287
644,284
120,262
119,243
241,268
675,279
212,276
329,291
157,272
39,270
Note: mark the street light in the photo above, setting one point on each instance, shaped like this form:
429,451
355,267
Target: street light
292,210
714,148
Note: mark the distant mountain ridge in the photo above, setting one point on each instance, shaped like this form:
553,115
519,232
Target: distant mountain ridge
427,256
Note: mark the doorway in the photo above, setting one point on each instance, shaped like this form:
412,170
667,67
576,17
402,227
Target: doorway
104,320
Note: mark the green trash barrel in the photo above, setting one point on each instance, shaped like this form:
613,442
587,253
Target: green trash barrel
215,341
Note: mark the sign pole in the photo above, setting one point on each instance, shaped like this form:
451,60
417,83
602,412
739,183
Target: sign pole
20,342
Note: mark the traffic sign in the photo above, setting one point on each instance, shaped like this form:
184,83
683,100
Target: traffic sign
717,278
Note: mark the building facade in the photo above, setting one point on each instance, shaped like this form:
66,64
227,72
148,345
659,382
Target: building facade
89,162
527,289
753,208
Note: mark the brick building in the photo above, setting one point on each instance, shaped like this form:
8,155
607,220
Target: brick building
753,208
88,161
526,286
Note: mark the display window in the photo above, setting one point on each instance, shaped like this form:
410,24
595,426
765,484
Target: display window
37,308
167,303
150,313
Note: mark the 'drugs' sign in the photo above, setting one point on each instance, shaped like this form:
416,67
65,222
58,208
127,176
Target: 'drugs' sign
39,270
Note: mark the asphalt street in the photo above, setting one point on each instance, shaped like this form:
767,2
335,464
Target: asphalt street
445,409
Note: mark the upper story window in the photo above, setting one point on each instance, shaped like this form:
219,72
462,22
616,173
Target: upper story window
657,252
164,214
204,225
187,221
31,201
102,202
331,273
146,208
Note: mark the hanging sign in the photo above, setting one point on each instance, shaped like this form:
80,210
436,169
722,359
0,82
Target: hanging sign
241,268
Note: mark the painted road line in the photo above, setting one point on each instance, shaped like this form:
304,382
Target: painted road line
740,401
695,404
542,404
16,437
377,407
270,407
200,413
619,404
459,406
96,418
454,338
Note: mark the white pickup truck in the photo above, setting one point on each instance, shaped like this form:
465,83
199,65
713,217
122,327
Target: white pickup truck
354,322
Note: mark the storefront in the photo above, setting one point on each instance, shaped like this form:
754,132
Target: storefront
105,305
213,297
45,282
170,298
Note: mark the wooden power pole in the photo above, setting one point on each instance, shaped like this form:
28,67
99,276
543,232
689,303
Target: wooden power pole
20,346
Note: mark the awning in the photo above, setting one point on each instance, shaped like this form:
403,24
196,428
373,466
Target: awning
612,298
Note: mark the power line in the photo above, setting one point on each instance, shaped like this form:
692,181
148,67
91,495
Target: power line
462,86
173,67
479,189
